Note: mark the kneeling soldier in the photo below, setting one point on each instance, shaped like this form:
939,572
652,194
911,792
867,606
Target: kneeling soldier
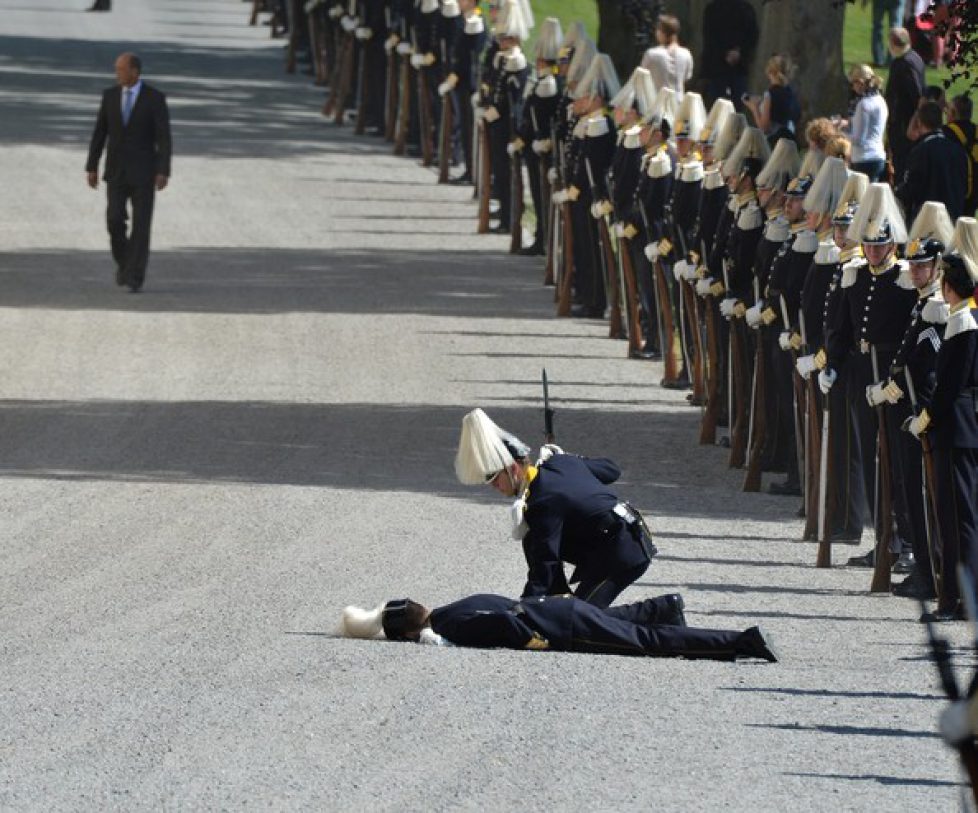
564,512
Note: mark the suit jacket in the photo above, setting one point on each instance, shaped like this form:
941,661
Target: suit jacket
137,151
937,169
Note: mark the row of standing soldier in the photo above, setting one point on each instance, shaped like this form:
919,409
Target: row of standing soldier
769,284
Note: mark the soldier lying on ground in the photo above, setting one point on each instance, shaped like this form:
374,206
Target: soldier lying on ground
654,627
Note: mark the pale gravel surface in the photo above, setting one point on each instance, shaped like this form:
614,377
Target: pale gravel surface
197,479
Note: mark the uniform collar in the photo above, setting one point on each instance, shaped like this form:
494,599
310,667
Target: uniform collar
890,263
929,290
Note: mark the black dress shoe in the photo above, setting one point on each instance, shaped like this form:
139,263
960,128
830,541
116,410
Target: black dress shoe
674,615
868,559
587,312
535,249
785,489
940,616
646,355
461,180
502,228
915,587
754,643
679,384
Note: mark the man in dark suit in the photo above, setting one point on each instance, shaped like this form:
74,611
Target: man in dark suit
937,167
134,119
904,88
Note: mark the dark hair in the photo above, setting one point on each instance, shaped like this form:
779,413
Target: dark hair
930,116
404,619
964,108
135,63
668,25
956,276
933,93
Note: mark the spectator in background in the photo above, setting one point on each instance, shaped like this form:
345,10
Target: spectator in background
868,124
904,88
839,147
670,64
936,167
893,9
819,132
776,113
730,36
961,128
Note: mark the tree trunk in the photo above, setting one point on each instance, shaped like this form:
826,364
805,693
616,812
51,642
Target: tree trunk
811,34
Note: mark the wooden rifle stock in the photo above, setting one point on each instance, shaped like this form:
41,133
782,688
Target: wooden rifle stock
635,341
317,48
666,322
293,43
688,302
404,107
813,455
752,479
884,511
567,272
516,203
549,271
740,369
340,90
445,137
615,328
390,99
485,178
711,415
425,118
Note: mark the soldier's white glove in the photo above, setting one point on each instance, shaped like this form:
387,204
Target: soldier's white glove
784,340
559,197
547,451
404,48
491,114
690,273
429,59
311,6
552,175
918,424
363,33
431,638
600,208
349,23
892,392
753,315
514,146
652,252
337,11
703,286
444,89
620,230
727,307
936,311
826,379
417,61
541,146
679,270
874,395
805,365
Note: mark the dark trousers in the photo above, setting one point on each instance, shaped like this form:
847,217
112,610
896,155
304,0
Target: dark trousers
601,589
374,82
646,290
499,161
956,471
847,488
466,116
588,274
906,465
130,251
532,161
628,630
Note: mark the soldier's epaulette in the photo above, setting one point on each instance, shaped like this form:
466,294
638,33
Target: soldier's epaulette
805,243
850,271
827,254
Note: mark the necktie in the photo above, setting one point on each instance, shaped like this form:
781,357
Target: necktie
127,106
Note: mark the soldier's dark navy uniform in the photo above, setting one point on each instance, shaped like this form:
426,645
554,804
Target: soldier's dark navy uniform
951,421
872,322
465,65
565,623
572,516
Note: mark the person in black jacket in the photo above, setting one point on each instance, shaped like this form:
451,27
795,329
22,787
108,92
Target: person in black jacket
951,421
904,87
134,119
653,628
564,511
936,167
962,129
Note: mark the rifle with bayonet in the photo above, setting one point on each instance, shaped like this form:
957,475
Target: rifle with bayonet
445,131
425,117
663,315
711,415
390,86
548,412
813,437
606,256
515,199
883,496
360,127
739,388
689,310
757,432
404,106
